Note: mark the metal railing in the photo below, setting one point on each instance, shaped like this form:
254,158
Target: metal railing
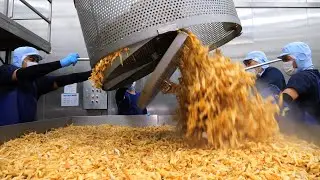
10,7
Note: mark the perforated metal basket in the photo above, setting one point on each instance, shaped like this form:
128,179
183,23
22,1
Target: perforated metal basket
109,25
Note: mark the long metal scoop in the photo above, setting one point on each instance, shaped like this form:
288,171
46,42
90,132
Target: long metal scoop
262,64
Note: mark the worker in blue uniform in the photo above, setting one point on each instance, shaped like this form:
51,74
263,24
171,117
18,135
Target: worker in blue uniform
303,88
127,101
267,77
24,81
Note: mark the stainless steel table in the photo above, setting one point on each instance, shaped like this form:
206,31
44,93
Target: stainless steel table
306,132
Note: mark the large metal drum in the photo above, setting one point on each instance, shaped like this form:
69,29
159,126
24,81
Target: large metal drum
148,27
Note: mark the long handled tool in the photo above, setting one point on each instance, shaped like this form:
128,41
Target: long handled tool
262,64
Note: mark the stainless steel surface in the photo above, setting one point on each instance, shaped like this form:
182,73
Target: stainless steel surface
5,6
94,98
262,64
14,131
313,16
107,30
164,70
49,24
83,59
306,132
277,4
166,120
132,121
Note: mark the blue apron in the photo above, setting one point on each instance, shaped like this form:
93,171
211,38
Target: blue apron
308,118
9,108
133,104
18,104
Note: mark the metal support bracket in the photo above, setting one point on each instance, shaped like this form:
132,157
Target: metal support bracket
164,70
2,61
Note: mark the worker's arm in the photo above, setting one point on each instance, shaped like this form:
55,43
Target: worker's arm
290,95
51,83
120,94
277,79
61,81
6,72
298,84
33,72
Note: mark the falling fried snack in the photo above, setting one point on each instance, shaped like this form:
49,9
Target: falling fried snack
97,75
217,99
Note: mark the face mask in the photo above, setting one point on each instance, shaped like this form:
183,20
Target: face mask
288,68
29,63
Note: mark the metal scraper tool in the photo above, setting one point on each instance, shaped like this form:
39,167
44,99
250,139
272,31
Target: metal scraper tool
164,70
262,64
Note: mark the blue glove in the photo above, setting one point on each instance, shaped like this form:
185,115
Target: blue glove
70,59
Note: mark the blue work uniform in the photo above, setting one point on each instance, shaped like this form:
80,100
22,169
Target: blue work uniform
18,100
271,76
307,85
128,104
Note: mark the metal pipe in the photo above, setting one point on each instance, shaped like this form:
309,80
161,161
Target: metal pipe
262,64
1,60
49,25
83,59
6,8
8,57
24,19
277,5
35,11
12,10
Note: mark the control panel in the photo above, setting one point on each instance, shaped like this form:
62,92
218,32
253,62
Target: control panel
94,98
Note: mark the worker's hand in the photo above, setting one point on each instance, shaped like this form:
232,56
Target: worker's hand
70,59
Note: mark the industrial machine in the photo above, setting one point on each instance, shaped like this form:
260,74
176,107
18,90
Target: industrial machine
150,30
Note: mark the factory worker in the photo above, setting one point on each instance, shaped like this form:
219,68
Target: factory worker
24,81
127,101
303,88
267,77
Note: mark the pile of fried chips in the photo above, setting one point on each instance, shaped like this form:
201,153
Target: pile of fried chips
114,152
